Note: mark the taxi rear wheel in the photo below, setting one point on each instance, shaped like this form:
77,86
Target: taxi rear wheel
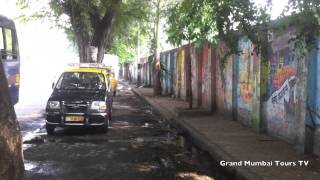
50,129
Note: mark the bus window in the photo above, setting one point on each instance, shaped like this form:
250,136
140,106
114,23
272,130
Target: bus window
9,55
9,41
1,40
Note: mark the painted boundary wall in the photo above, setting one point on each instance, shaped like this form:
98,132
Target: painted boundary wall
224,78
313,101
281,102
279,95
248,84
237,84
168,62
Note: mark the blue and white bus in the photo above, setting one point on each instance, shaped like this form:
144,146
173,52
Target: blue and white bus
9,55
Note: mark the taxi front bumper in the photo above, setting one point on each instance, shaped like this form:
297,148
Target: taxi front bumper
92,119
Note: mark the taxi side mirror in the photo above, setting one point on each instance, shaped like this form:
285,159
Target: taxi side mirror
52,85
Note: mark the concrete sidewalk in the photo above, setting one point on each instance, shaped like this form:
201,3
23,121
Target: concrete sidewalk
227,140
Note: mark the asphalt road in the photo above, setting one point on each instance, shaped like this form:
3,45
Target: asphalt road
139,145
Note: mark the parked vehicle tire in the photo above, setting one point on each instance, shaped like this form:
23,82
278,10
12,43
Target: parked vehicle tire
105,127
50,129
110,115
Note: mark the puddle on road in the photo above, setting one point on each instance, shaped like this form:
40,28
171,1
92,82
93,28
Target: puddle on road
192,175
28,165
165,137
31,129
32,138
35,137
146,125
30,116
42,168
87,140
26,146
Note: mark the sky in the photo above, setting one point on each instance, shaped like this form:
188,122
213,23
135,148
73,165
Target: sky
45,52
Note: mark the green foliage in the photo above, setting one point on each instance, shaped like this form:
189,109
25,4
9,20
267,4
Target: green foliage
133,23
224,20
228,20
191,21
86,21
304,17
125,54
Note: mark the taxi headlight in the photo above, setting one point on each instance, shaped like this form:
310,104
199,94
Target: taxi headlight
53,105
99,106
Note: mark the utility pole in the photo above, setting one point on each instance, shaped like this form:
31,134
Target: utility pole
138,66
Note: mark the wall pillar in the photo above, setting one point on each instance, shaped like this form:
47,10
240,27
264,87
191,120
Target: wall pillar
195,78
301,97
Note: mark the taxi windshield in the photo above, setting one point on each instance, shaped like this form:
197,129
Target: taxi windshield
81,80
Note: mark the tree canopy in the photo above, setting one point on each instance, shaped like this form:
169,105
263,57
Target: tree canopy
126,37
215,21
227,20
93,22
304,16
116,25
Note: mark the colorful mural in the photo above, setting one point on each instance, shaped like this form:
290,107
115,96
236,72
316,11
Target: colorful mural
165,78
182,64
313,93
224,80
173,57
313,100
206,78
248,84
244,84
281,104
195,81
179,73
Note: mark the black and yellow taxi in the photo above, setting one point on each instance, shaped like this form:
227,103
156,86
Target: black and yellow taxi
113,79
81,97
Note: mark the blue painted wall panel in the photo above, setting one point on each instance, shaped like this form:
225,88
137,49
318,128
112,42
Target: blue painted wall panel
313,90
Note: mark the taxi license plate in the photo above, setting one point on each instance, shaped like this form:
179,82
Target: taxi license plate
74,118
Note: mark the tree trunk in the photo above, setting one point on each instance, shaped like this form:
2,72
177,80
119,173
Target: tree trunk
188,76
102,37
104,40
157,65
83,49
11,158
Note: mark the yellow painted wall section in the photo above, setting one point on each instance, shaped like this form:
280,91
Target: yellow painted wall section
179,72
182,75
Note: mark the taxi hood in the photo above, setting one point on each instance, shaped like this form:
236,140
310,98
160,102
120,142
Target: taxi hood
78,95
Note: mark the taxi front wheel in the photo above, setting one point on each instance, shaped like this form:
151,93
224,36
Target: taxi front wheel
105,127
50,129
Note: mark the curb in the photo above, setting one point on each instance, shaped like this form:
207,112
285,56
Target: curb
216,152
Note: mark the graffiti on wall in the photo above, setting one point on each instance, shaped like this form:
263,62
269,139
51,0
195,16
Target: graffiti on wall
313,86
247,90
206,78
281,88
179,73
224,81
173,62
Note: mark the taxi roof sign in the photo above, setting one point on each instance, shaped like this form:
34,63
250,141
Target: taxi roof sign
87,65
